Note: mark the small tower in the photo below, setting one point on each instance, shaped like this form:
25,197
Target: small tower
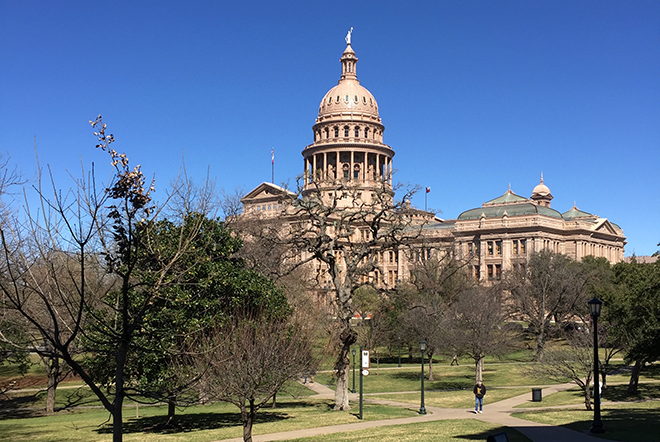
541,194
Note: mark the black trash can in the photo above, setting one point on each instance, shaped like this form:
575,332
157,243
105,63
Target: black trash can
499,437
536,395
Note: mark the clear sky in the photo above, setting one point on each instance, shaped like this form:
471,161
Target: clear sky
474,95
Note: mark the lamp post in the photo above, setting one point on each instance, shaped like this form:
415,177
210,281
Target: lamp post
353,351
399,339
422,346
595,306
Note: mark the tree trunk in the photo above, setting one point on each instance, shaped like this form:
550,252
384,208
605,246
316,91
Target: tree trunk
347,338
410,355
634,378
274,400
431,366
171,411
540,343
117,424
478,369
587,396
248,420
53,371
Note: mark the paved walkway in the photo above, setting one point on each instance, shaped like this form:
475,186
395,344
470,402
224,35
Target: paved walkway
496,413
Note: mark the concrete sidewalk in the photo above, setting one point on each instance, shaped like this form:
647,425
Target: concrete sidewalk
497,413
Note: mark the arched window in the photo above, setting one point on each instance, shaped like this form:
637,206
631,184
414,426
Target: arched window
346,131
356,171
346,168
336,131
327,133
357,131
366,132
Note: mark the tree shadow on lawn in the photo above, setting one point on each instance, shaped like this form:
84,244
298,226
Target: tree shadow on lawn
20,407
512,436
630,424
189,422
444,382
619,393
186,423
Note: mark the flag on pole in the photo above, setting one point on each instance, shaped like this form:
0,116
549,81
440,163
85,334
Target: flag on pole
272,155
428,189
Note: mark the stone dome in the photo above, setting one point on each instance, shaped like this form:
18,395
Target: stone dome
541,189
348,100
348,97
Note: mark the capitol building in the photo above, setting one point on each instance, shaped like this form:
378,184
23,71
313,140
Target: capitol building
495,237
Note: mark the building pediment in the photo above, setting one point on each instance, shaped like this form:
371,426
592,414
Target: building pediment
604,226
266,191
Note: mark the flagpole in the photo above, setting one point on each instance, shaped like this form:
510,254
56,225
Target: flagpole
426,194
272,165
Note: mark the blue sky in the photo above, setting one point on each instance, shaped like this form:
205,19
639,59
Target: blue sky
474,95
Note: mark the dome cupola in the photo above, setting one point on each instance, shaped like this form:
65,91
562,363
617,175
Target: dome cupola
348,135
541,194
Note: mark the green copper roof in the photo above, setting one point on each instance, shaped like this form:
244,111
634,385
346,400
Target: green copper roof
511,210
508,197
576,213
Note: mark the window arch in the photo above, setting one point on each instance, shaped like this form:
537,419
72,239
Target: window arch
346,170
346,131
357,131
356,171
366,132
336,131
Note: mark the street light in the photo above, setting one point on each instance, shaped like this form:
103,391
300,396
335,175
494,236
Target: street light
422,346
353,351
399,339
595,306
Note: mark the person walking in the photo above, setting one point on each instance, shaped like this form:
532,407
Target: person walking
479,392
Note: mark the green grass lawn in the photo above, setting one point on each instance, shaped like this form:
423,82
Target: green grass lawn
437,431
613,393
446,378
634,422
200,423
67,398
453,399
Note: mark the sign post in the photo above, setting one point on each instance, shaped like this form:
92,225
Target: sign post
364,371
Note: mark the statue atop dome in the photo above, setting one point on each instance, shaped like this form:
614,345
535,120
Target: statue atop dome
348,36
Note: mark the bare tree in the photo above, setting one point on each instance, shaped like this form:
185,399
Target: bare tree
424,303
111,229
552,287
248,361
475,328
573,361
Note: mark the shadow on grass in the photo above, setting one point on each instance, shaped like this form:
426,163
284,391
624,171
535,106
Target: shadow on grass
189,422
512,435
186,423
443,382
630,424
619,393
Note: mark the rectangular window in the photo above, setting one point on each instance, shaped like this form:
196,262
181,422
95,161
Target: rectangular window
523,246
391,257
490,247
498,247
471,249
498,271
490,271
515,246
476,272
